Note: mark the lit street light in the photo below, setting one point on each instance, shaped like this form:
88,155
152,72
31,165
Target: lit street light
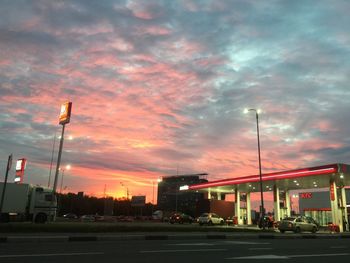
260,174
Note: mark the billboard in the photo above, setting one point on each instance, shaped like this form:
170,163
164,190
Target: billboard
20,167
66,109
139,200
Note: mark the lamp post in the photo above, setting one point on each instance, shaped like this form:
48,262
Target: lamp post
127,190
260,174
66,168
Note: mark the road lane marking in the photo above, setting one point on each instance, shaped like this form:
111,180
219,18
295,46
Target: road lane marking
181,250
51,255
260,248
319,255
246,243
261,257
289,256
192,244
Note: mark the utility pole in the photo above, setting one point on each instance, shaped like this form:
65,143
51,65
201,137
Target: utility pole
9,164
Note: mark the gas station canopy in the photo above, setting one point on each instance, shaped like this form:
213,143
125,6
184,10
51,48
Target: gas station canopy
305,178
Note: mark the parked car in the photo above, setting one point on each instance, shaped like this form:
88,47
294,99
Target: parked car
181,218
297,224
310,219
210,219
157,215
70,216
123,218
88,218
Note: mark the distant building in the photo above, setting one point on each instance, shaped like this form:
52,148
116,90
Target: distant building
171,199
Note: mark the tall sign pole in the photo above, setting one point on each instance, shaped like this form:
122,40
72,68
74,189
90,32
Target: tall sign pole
64,118
59,159
9,164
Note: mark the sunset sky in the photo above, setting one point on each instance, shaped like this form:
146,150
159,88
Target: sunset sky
159,87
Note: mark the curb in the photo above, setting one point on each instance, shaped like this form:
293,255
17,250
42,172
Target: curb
92,238
82,238
36,239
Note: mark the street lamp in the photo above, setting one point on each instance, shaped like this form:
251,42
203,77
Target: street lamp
260,175
127,190
66,168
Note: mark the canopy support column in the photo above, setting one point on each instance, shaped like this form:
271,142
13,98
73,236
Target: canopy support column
345,221
276,200
287,198
336,219
219,196
249,210
209,194
238,206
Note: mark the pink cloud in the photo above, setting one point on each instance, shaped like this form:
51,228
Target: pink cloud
154,30
146,11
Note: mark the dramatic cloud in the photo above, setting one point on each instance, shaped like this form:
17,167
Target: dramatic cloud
159,87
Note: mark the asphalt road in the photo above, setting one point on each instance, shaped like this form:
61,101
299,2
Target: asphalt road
179,251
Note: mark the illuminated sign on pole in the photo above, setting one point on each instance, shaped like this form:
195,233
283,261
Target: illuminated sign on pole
20,167
331,191
65,113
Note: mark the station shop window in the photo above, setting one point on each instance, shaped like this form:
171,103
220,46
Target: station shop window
322,217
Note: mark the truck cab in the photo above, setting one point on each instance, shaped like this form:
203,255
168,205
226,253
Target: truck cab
25,202
43,205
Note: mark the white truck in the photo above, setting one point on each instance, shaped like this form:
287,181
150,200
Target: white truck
25,202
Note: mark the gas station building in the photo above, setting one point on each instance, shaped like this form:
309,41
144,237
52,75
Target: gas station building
335,177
